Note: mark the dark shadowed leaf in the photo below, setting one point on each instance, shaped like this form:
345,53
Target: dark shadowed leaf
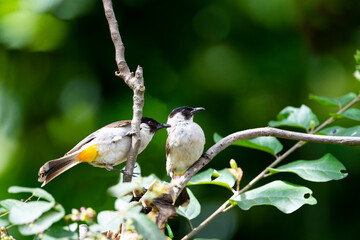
334,102
44,222
192,210
296,117
211,176
341,131
146,227
322,170
285,196
266,144
59,233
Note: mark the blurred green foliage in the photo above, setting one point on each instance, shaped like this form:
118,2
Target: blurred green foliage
242,60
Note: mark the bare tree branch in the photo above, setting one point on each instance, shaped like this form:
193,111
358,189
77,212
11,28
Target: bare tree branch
135,82
203,161
258,132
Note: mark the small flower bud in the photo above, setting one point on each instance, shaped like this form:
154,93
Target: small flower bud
312,125
233,164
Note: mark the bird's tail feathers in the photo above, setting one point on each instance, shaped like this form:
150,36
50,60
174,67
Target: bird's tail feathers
53,168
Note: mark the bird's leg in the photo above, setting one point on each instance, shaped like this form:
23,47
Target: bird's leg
111,168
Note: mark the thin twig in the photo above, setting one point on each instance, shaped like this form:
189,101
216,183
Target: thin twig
226,206
135,82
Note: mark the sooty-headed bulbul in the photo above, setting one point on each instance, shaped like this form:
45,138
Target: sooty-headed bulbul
106,147
185,142
184,146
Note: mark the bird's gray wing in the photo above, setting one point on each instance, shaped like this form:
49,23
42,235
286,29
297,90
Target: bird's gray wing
92,136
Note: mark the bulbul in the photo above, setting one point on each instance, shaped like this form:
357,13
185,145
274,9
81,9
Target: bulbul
106,147
185,142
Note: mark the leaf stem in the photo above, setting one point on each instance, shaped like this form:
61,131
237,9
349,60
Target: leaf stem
190,224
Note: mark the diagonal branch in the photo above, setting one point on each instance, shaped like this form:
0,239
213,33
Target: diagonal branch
135,82
258,132
202,162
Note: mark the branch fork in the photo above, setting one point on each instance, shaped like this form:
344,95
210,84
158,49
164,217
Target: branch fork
135,82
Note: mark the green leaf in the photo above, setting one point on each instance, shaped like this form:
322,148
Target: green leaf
123,202
352,113
122,189
341,131
295,117
38,192
169,231
222,178
4,222
266,144
334,102
322,170
8,203
3,210
146,227
217,137
147,181
192,210
21,212
44,222
285,196
59,233
108,221
357,57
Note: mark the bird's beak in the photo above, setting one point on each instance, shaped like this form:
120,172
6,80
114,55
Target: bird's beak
163,125
196,110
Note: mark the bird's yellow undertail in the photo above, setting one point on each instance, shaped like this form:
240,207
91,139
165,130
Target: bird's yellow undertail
88,154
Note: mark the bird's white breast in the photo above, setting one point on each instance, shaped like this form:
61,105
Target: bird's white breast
112,145
186,142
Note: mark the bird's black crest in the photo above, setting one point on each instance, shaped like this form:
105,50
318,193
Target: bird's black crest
153,124
185,111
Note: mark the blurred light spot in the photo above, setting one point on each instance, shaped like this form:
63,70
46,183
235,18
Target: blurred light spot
39,6
326,77
220,67
274,13
212,23
26,29
50,33
7,6
17,29
10,126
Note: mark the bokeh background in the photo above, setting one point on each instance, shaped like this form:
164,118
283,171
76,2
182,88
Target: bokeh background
242,60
